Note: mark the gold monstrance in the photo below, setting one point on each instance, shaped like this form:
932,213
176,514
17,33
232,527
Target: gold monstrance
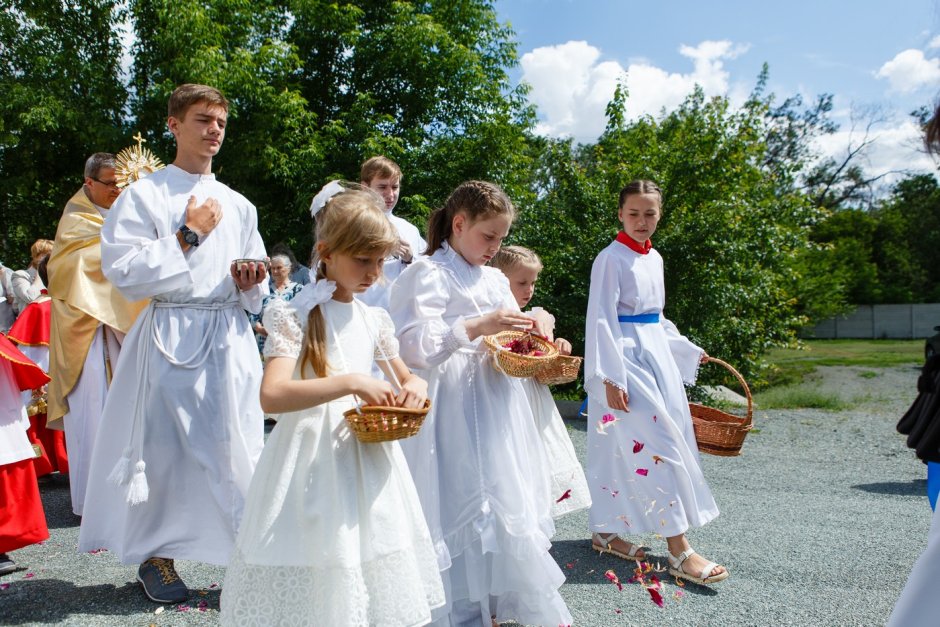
135,162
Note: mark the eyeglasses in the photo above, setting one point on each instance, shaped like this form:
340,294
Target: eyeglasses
105,183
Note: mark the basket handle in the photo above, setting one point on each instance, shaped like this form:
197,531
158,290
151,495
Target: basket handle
737,375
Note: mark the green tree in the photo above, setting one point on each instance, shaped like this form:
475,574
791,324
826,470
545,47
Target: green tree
735,231
63,99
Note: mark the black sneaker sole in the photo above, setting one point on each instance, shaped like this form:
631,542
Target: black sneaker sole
155,600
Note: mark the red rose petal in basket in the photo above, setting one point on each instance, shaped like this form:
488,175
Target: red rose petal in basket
642,471
566,495
637,446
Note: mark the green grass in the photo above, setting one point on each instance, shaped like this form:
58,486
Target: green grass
801,396
791,366
791,383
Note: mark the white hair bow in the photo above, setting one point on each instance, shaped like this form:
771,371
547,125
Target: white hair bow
323,196
313,295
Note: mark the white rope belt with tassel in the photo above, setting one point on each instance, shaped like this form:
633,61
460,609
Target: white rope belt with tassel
137,489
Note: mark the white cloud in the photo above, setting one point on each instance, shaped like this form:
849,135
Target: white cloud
934,43
910,70
571,85
897,148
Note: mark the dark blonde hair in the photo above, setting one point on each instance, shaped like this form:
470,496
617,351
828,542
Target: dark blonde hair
511,257
39,248
379,167
478,200
351,223
188,94
640,186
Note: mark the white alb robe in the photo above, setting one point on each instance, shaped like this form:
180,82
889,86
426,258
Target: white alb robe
659,488
192,360
86,404
377,295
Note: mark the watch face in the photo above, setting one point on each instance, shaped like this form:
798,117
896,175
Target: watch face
190,237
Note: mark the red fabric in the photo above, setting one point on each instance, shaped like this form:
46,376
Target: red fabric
22,520
51,443
634,245
28,375
32,325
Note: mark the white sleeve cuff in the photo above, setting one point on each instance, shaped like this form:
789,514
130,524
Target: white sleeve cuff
457,337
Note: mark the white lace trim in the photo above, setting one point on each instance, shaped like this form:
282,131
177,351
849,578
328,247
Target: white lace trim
396,590
285,332
386,343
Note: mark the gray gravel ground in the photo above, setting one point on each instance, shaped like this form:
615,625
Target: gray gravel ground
821,520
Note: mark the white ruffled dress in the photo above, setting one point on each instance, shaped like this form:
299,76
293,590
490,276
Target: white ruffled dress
333,532
569,489
478,458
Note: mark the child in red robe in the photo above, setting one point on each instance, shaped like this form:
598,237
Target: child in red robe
22,520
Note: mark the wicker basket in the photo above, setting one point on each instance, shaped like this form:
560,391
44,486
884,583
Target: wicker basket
377,423
562,369
514,364
718,432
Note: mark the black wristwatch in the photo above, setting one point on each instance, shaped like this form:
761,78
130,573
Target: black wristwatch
189,236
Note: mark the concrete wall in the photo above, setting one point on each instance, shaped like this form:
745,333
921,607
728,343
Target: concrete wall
880,322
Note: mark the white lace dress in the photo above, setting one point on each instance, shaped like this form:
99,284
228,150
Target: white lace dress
333,532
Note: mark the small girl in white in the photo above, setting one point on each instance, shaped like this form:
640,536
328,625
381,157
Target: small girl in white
642,459
569,488
333,532
474,461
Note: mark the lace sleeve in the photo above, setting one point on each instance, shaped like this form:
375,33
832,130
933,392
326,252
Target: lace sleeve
285,333
386,346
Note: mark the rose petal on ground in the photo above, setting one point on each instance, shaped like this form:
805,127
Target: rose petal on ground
566,495
642,471
658,460
656,597
637,446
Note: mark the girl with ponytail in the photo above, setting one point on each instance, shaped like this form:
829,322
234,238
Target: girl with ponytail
333,532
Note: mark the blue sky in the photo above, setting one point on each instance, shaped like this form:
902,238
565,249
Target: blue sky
879,59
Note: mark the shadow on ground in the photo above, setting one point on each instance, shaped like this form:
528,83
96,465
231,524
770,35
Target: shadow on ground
917,487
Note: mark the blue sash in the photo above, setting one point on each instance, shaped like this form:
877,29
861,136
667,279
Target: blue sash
640,319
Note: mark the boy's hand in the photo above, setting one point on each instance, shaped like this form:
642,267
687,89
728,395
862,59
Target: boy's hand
247,275
404,251
204,218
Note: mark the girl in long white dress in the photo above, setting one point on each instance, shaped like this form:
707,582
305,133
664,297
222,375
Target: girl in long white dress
643,463
333,532
569,487
474,461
